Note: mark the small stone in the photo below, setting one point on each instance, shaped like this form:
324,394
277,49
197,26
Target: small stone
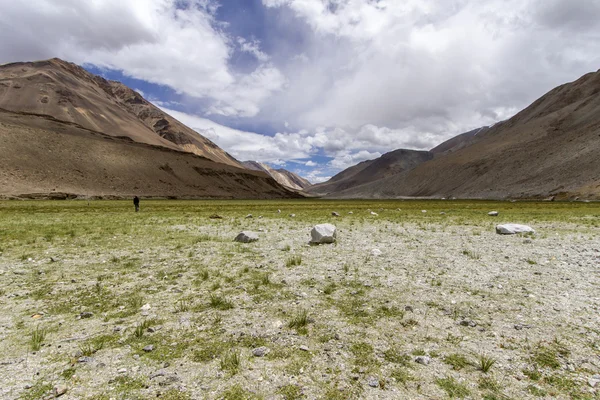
215,216
527,241
59,390
373,382
493,213
594,381
85,359
374,213
145,307
335,214
442,213
425,360
260,351
28,386
303,348
249,216
350,212
148,348
86,314
122,371
424,211
376,252
292,215
246,237
409,309
469,323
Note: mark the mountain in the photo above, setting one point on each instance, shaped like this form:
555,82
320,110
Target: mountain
459,141
551,148
387,165
283,176
66,133
69,93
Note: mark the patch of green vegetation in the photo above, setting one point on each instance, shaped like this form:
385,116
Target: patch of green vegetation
237,392
457,361
485,363
453,388
395,356
39,390
220,303
290,392
37,337
231,361
546,356
401,375
293,261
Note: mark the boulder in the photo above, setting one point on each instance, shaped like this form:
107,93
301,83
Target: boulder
511,229
493,213
246,237
324,233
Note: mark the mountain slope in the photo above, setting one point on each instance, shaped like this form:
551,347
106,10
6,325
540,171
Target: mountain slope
389,164
550,148
283,176
46,158
69,93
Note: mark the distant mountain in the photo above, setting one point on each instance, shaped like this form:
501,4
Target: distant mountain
69,93
65,132
283,176
459,141
387,165
551,148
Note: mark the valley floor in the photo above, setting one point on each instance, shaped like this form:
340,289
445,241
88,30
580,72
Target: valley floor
100,302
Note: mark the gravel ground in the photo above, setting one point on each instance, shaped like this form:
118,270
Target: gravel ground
171,307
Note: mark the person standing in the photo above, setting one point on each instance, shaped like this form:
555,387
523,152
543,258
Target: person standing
136,203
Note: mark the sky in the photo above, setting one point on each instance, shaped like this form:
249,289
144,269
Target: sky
316,86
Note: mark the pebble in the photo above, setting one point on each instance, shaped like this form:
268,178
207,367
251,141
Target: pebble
85,360
425,360
86,314
260,351
148,348
303,348
145,307
122,371
594,381
469,323
335,214
59,390
373,382
376,252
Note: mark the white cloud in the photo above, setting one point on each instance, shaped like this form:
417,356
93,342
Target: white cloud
168,42
310,163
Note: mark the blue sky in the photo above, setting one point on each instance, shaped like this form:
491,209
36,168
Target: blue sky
316,86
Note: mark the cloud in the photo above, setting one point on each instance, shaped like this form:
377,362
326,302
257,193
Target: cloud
175,43
433,68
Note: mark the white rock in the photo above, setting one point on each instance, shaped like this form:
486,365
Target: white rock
278,211
511,229
350,212
493,213
249,216
374,213
246,237
145,307
376,252
324,233
335,214
292,215
424,211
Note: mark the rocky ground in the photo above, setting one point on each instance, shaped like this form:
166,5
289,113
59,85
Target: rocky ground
415,300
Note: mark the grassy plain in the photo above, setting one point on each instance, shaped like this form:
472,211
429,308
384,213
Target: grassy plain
116,304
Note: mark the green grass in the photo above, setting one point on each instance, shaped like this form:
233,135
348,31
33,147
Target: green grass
37,337
293,261
453,388
456,361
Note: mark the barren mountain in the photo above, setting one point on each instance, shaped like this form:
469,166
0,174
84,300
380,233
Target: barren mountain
283,176
387,165
43,157
550,148
459,141
69,93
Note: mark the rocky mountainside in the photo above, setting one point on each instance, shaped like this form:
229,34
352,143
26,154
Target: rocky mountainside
551,148
283,176
41,157
68,93
387,165
67,133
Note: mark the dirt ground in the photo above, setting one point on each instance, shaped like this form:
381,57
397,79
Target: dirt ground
415,300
